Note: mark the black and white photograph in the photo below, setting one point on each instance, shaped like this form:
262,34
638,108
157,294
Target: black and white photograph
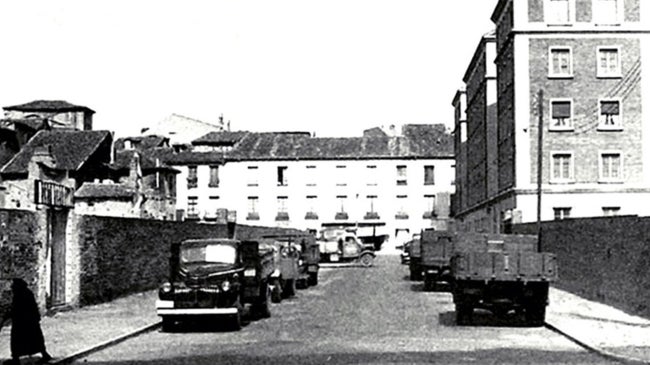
305,182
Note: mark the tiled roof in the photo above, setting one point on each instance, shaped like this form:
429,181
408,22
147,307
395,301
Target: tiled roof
142,142
104,191
48,106
220,138
70,148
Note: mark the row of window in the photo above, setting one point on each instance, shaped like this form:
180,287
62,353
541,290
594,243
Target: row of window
562,115
603,12
401,175
565,212
608,65
610,167
311,207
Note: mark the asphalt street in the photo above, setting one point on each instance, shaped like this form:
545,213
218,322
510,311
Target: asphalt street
356,316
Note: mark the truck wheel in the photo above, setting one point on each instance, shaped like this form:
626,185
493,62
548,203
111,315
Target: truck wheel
262,307
167,324
366,259
236,320
276,292
464,314
429,283
535,314
313,279
289,289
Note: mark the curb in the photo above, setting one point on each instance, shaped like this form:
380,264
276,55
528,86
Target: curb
601,352
83,353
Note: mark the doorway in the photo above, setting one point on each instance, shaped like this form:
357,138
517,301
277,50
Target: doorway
57,220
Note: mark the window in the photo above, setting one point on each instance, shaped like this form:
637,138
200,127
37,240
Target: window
371,213
282,176
341,175
428,175
561,111
562,167
211,212
609,62
192,203
611,167
252,176
192,179
609,115
311,207
283,212
558,12
341,214
611,211
401,175
429,206
607,12
311,176
402,212
214,176
371,173
128,145
253,201
561,213
560,62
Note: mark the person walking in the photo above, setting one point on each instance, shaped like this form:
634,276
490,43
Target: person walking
26,334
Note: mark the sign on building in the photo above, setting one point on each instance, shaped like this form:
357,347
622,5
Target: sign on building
53,194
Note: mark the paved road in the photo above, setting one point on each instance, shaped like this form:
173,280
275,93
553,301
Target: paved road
356,316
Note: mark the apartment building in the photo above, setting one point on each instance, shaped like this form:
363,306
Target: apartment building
577,66
398,184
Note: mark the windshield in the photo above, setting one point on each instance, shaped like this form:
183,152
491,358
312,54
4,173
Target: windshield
214,253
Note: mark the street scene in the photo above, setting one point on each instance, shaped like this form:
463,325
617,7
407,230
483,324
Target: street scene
339,182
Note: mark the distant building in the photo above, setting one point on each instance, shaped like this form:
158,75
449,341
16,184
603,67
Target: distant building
58,114
588,58
400,184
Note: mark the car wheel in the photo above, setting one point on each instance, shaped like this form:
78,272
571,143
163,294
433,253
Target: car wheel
313,279
366,260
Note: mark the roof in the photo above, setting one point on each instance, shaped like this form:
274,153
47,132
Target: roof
142,142
220,138
104,191
32,123
147,163
70,149
48,106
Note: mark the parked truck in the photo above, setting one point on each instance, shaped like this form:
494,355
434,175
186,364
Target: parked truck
341,245
500,273
415,256
216,278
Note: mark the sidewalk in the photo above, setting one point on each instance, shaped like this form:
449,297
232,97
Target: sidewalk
69,335
601,328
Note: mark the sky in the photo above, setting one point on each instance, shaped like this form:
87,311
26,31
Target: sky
330,67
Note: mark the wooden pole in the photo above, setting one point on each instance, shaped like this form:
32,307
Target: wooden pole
540,139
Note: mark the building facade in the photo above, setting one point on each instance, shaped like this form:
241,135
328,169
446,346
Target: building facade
576,66
398,184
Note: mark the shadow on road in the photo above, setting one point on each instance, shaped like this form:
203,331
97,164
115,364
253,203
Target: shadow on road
496,356
483,318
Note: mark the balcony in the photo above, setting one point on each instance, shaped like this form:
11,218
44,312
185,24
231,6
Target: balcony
253,217
311,216
341,216
282,216
371,215
430,214
401,215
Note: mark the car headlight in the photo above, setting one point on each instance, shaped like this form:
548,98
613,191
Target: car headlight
167,288
225,286
249,273
300,262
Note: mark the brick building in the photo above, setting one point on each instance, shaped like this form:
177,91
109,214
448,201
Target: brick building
588,58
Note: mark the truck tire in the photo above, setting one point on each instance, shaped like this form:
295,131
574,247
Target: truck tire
535,314
289,288
262,307
366,259
167,324
429,283
236,323
464,314
313,279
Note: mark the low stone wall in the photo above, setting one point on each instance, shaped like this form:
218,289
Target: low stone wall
605,259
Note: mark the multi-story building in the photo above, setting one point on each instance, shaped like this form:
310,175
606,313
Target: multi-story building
576,66
57,113
291,179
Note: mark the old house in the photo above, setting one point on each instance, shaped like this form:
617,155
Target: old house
58,113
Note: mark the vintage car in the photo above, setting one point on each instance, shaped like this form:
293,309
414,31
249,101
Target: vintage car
341,245
308,253
216,278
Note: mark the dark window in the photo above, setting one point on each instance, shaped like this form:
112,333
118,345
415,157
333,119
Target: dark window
428,175
192,179
214,177
282,175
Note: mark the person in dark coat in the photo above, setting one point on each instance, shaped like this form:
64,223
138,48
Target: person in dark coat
26,334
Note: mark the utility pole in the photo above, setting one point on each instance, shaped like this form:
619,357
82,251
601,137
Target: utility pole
540,139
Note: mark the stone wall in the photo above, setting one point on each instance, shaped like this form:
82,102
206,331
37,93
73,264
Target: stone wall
605,259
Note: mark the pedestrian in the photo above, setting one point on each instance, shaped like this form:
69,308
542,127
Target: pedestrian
26,334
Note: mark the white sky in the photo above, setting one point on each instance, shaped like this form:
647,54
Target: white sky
334,67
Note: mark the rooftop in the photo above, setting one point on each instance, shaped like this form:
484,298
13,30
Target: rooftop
48,106
103,191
